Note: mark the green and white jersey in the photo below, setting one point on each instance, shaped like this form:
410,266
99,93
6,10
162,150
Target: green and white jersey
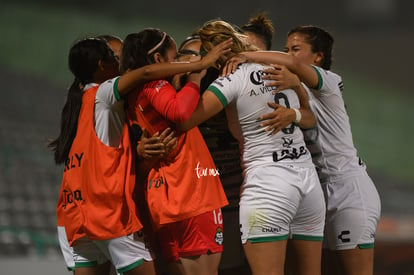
245,97
330,142
109,113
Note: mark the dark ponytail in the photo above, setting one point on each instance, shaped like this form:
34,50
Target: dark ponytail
69,123
83,62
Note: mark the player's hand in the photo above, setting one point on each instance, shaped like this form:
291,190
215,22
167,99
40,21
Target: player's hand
210,59
169,139
150,146
232,64
280,118
281,77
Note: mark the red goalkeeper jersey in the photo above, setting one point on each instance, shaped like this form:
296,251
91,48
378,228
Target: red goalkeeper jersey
186,183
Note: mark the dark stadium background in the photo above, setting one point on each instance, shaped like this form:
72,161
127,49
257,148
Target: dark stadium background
374,40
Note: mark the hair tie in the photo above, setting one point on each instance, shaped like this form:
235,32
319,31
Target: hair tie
158,45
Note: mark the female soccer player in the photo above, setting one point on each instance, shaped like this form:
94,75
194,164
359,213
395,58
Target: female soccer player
223,146
96,204
353,203
183,191
281,194
224,149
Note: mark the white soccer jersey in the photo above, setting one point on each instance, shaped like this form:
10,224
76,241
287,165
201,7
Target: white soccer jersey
330,142
352,202
245,102
109,113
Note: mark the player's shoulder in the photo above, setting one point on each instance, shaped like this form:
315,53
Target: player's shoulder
253,66
249,69
327,74
328,78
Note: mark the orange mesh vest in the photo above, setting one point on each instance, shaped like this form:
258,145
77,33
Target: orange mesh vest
187,182
98,183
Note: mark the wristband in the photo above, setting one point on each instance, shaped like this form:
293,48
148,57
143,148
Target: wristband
298,115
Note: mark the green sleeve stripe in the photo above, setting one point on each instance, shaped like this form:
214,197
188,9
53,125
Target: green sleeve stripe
219,95
116,92
268,239
307,238
320,81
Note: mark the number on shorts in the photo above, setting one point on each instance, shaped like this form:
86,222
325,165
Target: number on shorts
218,217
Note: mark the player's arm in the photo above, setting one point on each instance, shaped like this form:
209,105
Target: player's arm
282,116
305,118
172,105
208,106
307,74
139,76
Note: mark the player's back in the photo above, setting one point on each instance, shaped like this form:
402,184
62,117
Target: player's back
247,98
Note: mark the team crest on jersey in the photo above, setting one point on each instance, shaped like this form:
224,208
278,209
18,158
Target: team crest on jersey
256,77
219,236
